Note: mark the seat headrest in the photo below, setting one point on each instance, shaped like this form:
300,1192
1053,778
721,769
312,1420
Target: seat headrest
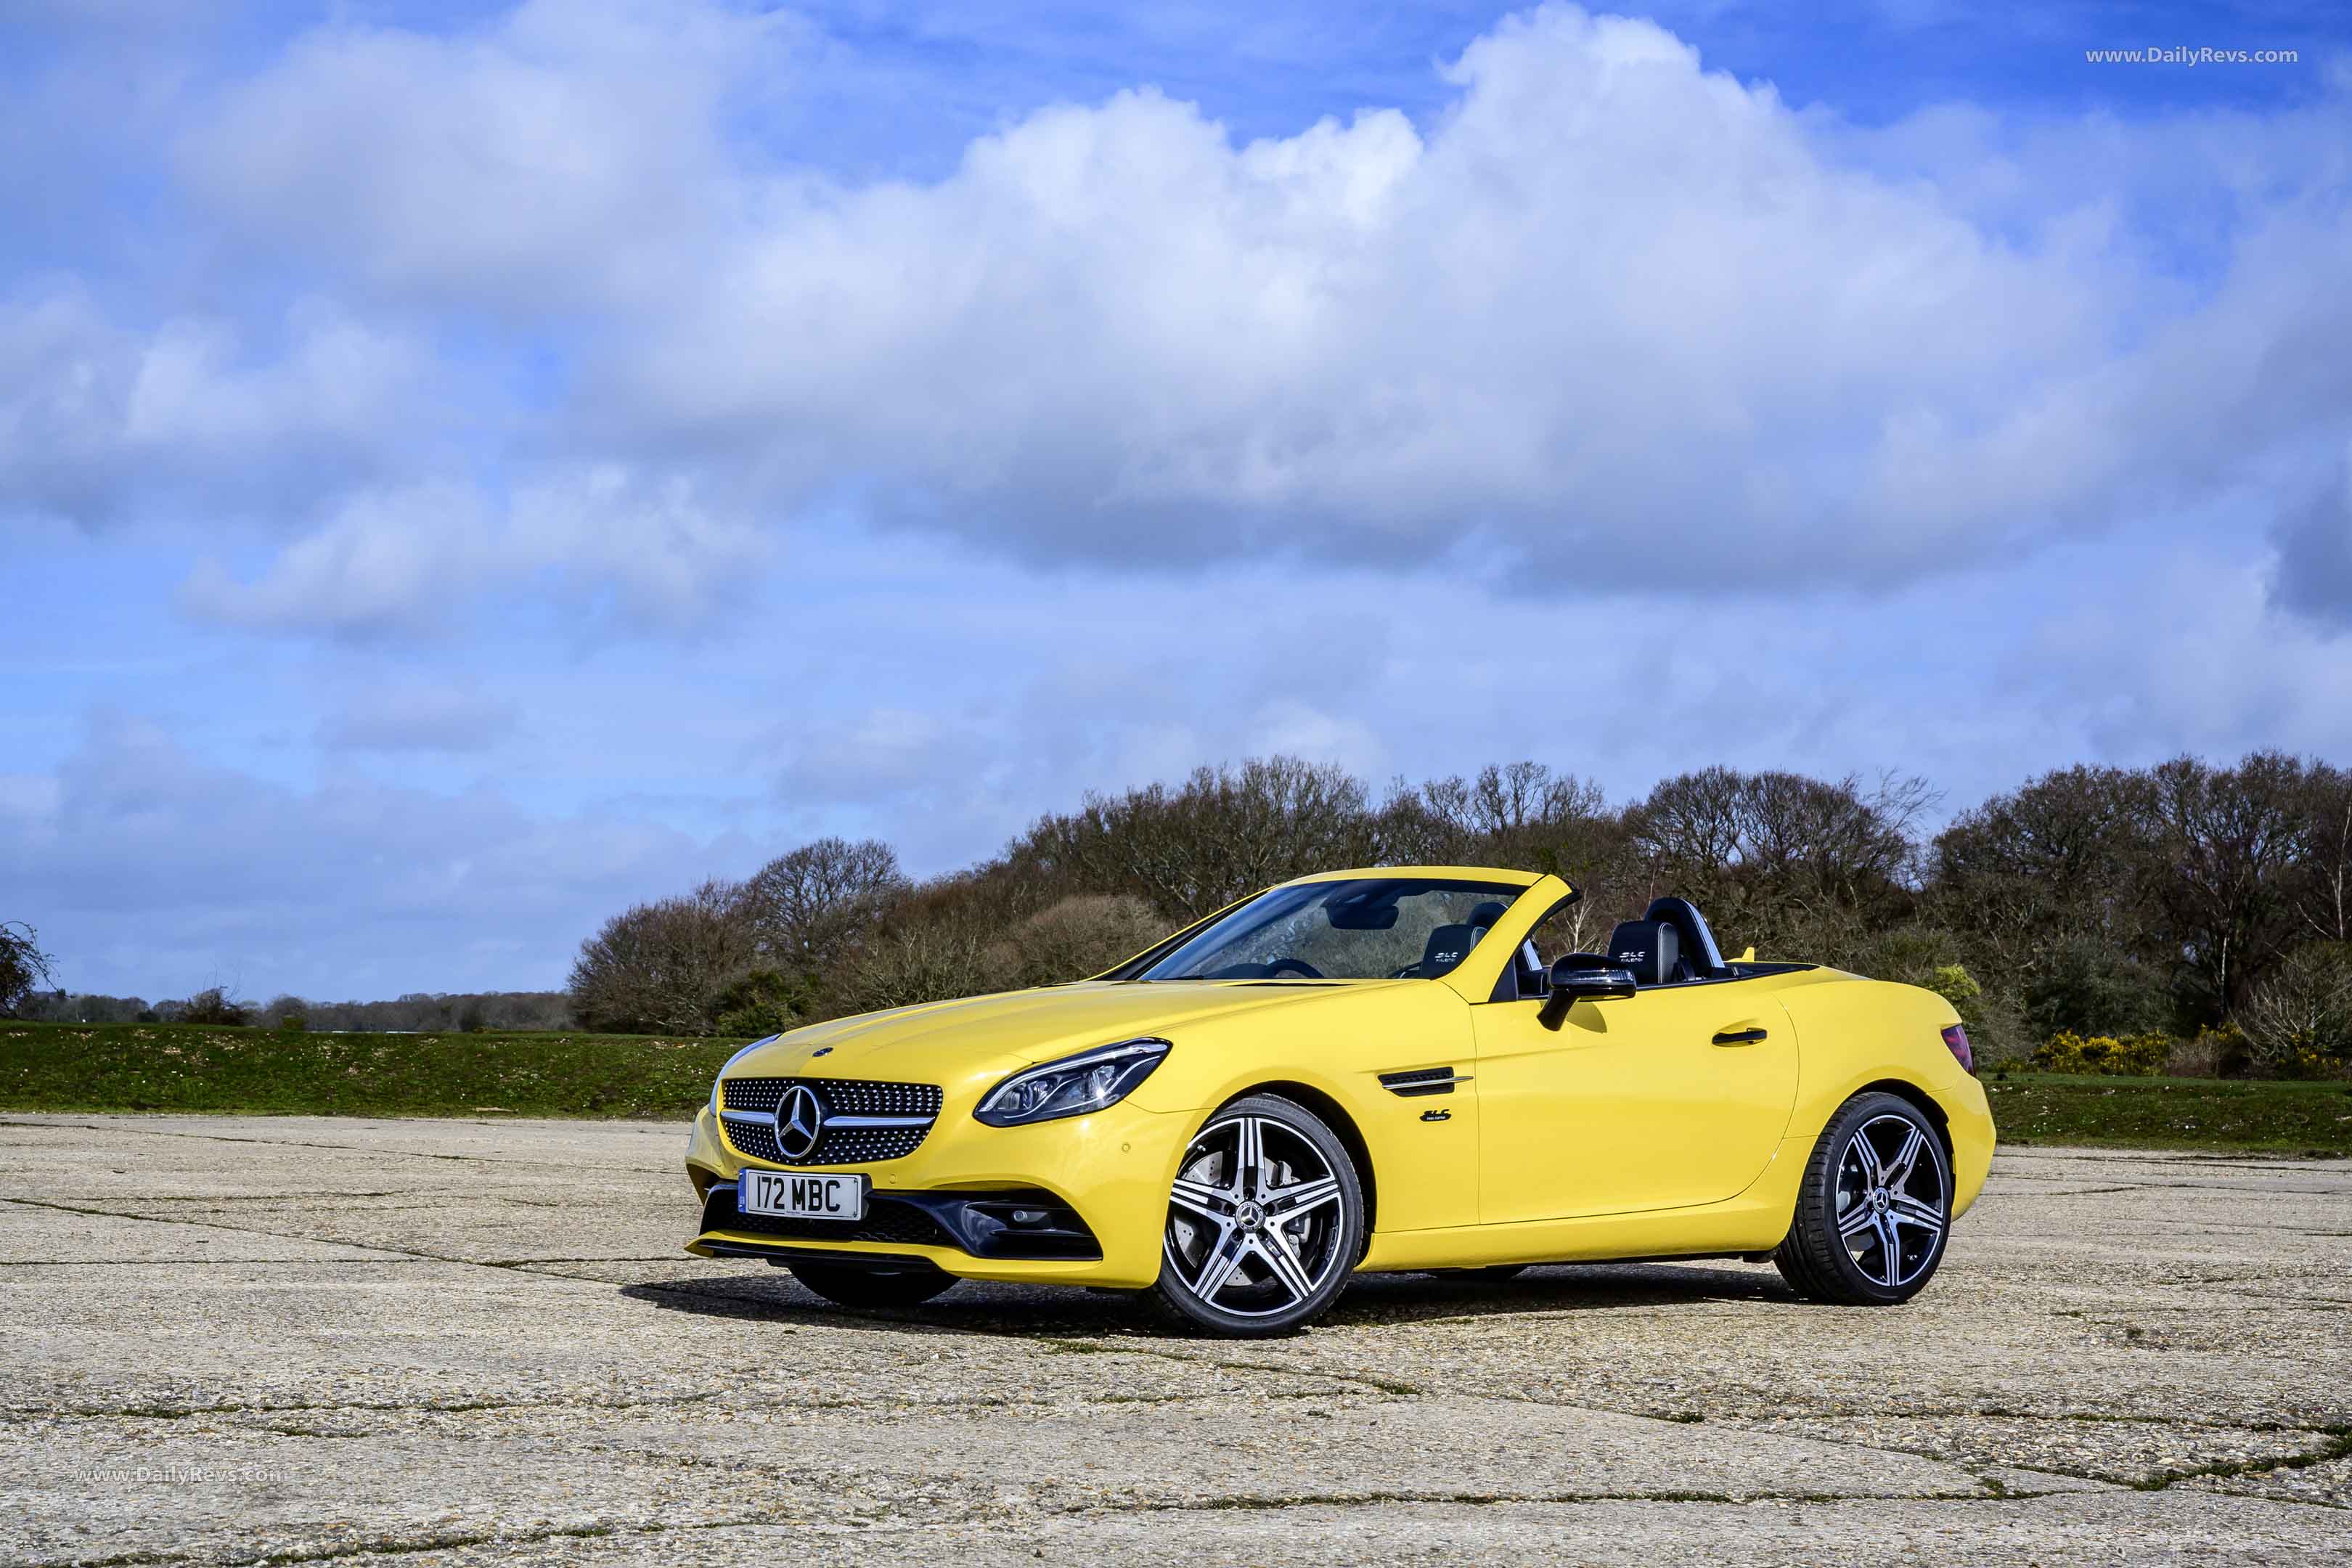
1700,957
1448,945
1485,916
1649,948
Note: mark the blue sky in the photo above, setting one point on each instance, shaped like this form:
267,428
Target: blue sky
465,469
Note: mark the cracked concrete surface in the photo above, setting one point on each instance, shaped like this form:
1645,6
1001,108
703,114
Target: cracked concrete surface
240,1340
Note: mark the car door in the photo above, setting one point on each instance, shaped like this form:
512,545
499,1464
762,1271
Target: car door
1674,1096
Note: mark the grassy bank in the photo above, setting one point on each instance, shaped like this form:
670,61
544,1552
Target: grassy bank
167,1066
2209,1113
170,1067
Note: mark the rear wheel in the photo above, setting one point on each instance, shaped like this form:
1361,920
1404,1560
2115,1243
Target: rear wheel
850,1285
1265,1221
1874,1208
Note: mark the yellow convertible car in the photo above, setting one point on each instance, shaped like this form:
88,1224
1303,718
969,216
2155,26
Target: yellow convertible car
1360,1070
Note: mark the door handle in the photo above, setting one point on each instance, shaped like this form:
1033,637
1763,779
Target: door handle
1739,1036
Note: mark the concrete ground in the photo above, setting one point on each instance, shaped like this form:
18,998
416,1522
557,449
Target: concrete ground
233,1339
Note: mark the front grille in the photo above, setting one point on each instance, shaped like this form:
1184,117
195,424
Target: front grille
835,1146
886,1219
842,1096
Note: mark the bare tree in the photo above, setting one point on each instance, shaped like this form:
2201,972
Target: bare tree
930,958
1779,858
2052,888
2300,1014
808,908
23,966
2322,893
1225,833
660,968
2231,839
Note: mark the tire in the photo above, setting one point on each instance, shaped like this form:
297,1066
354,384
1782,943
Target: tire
1874,1208
1266,1222
846,1284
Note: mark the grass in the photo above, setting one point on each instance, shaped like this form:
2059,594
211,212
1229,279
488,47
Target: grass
2222,1115
172,1067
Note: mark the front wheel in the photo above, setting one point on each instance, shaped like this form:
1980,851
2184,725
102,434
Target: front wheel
848,1286
1265,1221
1874,1207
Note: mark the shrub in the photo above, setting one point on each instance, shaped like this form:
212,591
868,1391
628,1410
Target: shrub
2087,989
764,1002
1080,936
214,1006
2138,1055
654,969
2212,1053
930,959
2299,1018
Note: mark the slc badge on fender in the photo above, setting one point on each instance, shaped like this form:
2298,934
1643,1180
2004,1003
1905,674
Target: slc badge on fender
1358,1070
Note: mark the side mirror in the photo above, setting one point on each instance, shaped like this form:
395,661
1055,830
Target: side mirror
1577,978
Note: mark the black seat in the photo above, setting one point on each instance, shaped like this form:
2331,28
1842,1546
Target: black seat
1651,948
1448,945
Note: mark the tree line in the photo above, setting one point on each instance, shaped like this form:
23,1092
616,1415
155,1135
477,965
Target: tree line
2189,900
416,1012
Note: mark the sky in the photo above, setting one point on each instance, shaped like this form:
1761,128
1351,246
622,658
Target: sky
464,471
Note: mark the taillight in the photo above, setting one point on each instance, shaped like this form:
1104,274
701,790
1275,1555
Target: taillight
1957,1038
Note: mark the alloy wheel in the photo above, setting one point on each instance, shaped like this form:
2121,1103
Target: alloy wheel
1256,1219
1893,1193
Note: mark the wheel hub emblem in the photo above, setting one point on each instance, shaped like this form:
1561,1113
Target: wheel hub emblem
1249,1216
799,1121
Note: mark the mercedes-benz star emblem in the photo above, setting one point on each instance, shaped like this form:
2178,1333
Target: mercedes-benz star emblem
799,1121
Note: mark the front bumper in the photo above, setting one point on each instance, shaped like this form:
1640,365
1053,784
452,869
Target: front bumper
1102,1180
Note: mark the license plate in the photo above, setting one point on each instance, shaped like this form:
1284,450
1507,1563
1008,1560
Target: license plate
796,1196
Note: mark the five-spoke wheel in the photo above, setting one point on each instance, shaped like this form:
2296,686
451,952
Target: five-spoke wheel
1874,1207
1265,1220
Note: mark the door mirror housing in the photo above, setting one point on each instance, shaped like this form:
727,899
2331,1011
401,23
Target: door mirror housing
1577,978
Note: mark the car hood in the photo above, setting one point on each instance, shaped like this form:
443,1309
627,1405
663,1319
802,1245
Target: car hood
948,1043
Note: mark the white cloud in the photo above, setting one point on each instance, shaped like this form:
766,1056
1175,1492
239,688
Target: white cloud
384,560
1607,320
572,149
1607,303
97,419
418,557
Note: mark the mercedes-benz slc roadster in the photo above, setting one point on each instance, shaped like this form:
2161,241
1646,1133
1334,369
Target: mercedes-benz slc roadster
1359,1070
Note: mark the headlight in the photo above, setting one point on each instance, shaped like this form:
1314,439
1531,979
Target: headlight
729,1062
1071,1087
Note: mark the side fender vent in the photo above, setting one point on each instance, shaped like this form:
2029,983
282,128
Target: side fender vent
1422,1081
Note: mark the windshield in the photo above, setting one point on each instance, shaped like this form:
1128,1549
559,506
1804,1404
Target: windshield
1383,928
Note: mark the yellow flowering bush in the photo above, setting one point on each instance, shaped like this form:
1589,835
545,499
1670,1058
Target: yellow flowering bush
2139,1056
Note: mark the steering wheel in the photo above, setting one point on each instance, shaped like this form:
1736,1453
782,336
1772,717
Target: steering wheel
1304,970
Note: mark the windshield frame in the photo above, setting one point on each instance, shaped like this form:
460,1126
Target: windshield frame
1237,922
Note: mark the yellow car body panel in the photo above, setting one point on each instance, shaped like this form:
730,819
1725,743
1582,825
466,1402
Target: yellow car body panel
1627,1132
